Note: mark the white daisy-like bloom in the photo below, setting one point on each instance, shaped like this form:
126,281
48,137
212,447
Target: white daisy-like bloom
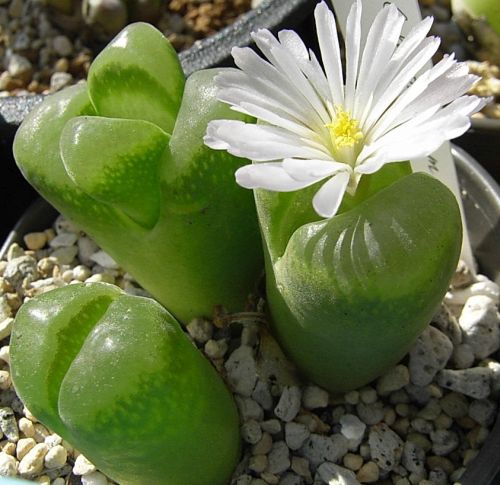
314,123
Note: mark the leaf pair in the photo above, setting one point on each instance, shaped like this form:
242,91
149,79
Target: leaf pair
123,157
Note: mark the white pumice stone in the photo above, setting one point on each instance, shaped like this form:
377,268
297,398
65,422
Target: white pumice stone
241,370
413,458
8,465
483,411
251,432
6,327
386,447
352,427
215,349
429,355
395,379
336,475
318,448
83,466
473,382
200,330
289,404
296,434
278,458
32,463
53,440
480,321
63,240
26,427
81,272
313,397
94,478
56,457
443,441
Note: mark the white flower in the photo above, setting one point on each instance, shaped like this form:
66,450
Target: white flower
314,123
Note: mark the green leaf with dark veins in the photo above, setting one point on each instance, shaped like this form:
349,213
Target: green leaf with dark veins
138,76
118,162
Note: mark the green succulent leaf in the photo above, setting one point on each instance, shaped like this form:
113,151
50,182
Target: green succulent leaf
116,377
350,294
118,162
138,76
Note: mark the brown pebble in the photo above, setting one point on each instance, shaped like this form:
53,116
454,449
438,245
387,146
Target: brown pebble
435,462
368,473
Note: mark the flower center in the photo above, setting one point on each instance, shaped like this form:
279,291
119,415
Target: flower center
344,130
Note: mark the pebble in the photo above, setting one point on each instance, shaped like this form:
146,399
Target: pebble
35,240
443,441
314,397
6,327
480,322
249,409
56,457
429,355
386,447
296,434
258,463
336,475
251,432
241,370
352,427
368,473
24,445
289,404
483,411
8,465
63,240
62,45
200,330
352,462
413,458
65,255
104,259
395,379
473,382
319,448
454,405
8,424
32,463
94,478
83,466
278,458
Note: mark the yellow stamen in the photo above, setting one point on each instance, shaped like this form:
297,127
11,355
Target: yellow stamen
344,130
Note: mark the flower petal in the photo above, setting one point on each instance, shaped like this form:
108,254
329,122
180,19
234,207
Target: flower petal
330,51
328,198
353,48
300,169
258,142
270,176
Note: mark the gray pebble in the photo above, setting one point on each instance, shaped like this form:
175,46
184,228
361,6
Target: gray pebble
289,404
429,354
60,80
447,323
483,411
474,382
386,447
313,397
413,458
19,67
438,477
443,441
278,458
241,370
422,425
249,409
63,240
271,426
62,45
370,413
8,424
318,448
20,268
395,379
262,394
463,356
455,405
296,434
352,427
290,479
65,255
251,432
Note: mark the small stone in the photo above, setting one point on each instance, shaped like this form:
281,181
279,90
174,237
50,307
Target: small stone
431,410
336,475
249,409
65,255
413,458
289,404
60,80
469,455
262,394
104,259
63,240
8,424
86,248
368,473
94,478
318,448
314,397
56,457
296,434
429,354
35,240
352,427
20,268
26,427
483,411
19,67
268,479
271,426
24,445
395,379
32,462
62,46
370,413
300,466
6,327
290,479
263,447
241,370
443,441
352,397
251,432
200,330
53,440
101,278
257,463
368,395
352,462
81,272
463,356
422,425
473,382
83,466
278,458
440,462
443,421
454,405
480,321
8,465
215,349
447,323
386,447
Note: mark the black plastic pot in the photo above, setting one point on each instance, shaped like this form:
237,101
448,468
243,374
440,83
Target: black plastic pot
481,199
